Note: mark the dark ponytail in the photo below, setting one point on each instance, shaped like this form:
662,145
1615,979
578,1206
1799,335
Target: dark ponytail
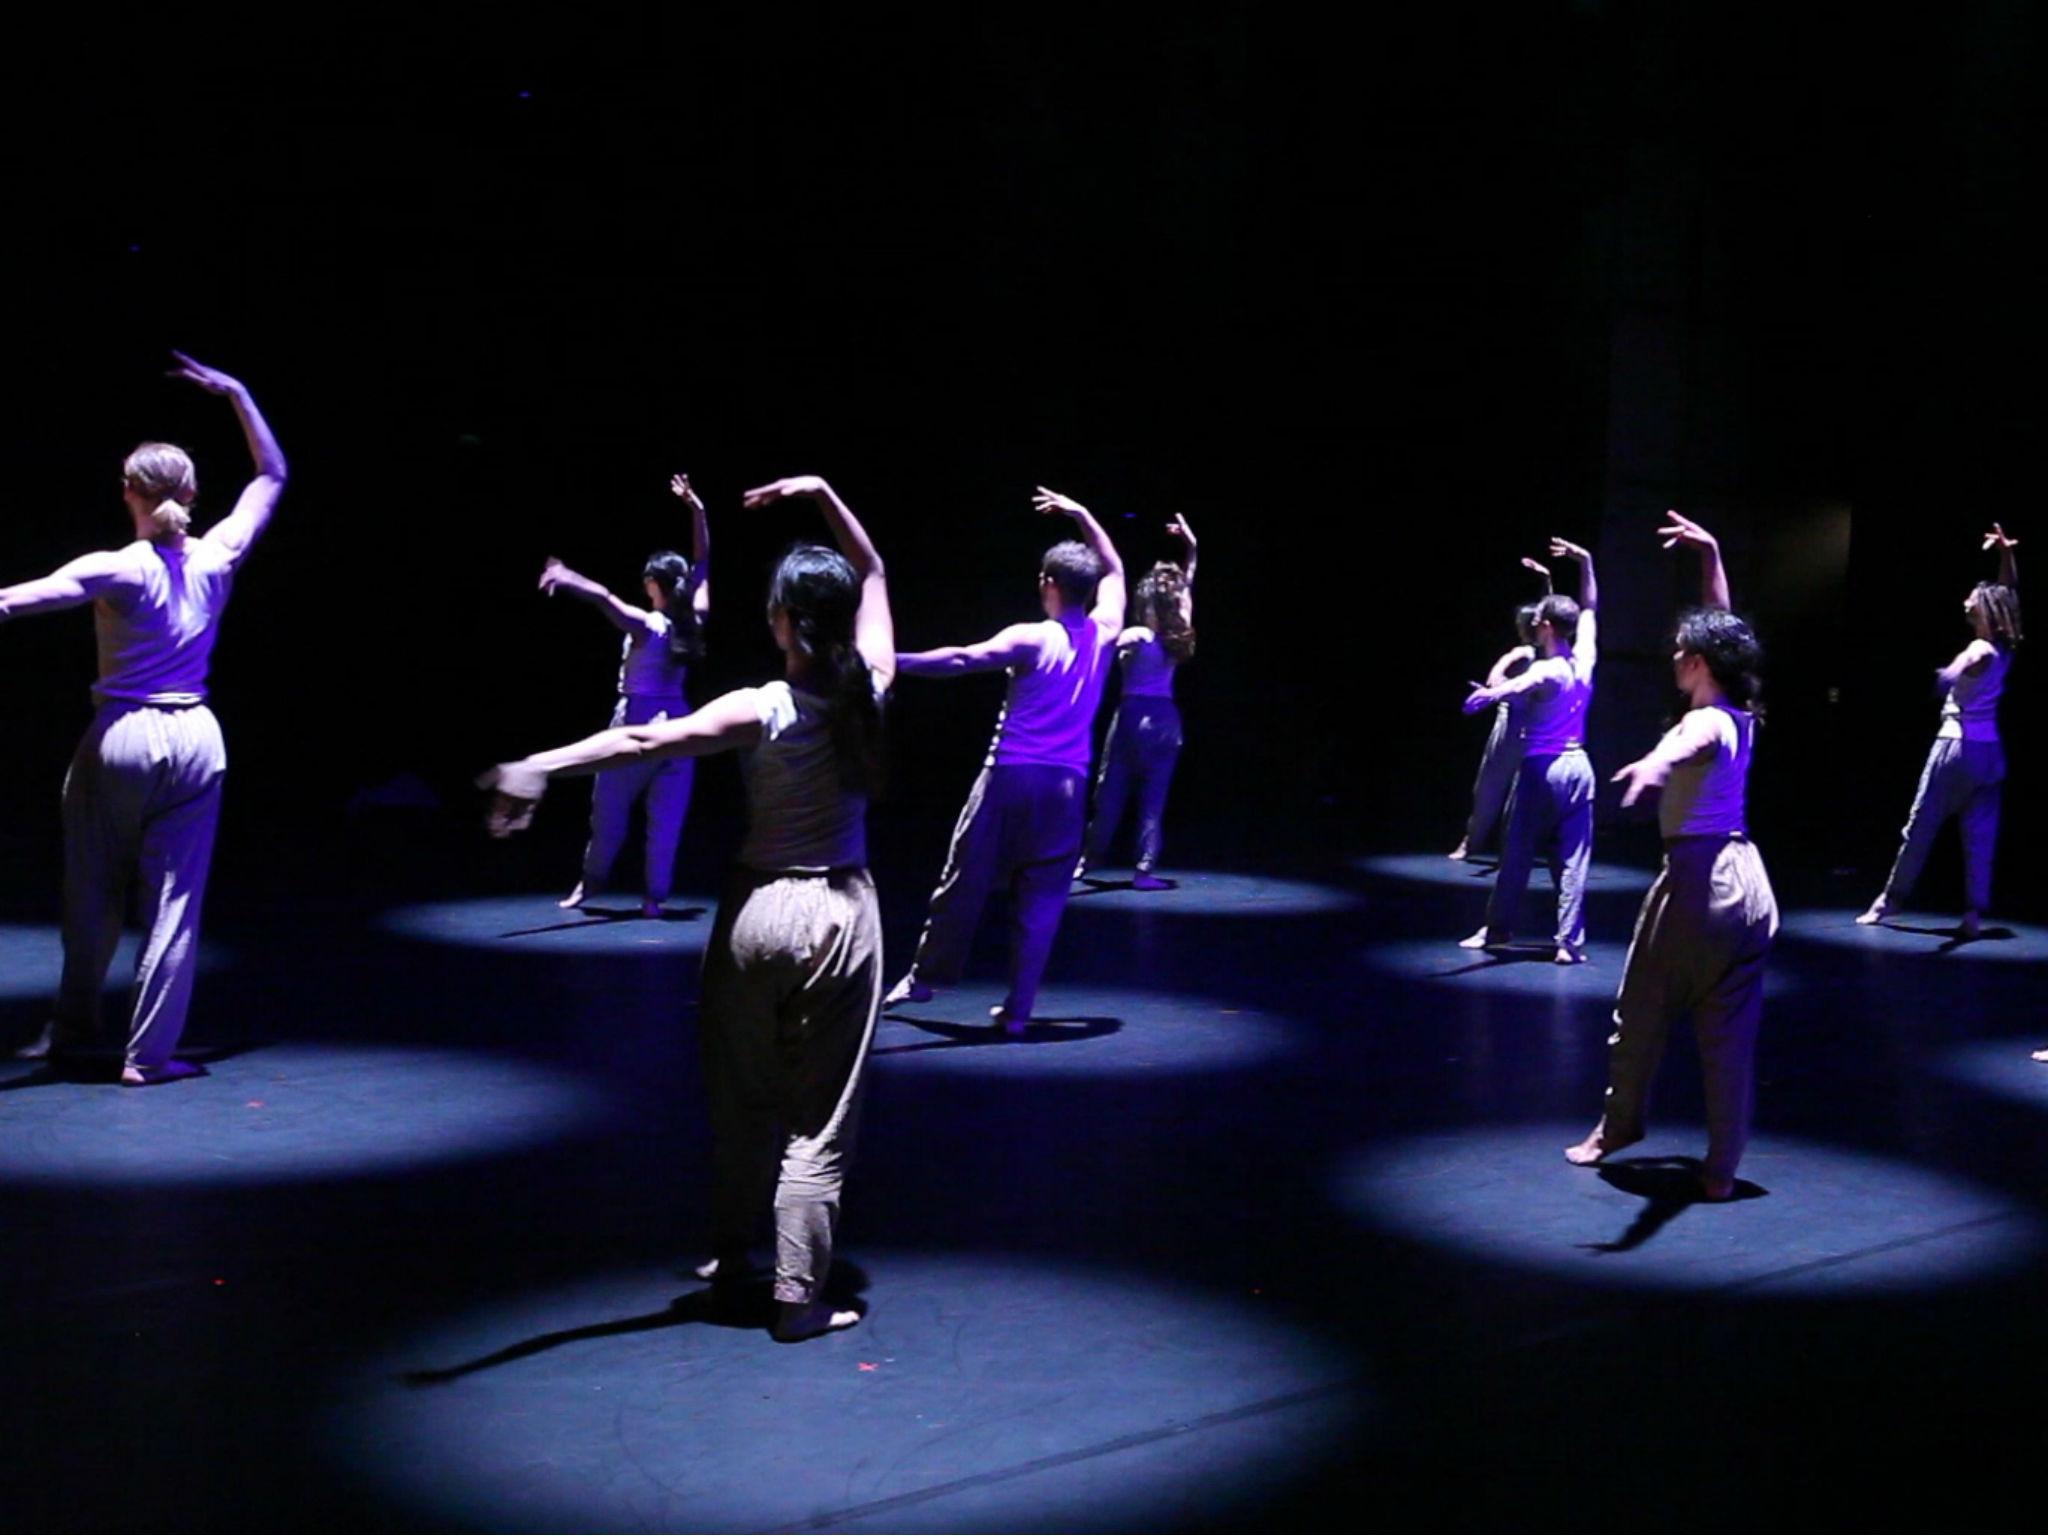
672,573
818,593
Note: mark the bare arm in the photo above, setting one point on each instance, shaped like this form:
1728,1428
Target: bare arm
1017,646
1694,736
728,722
1499,673
1585,644
1185,530
1541,570
75,582
1969,659
1543,674
1110,595
556,577
700,545
241,528
2008,565
874,627
1679,529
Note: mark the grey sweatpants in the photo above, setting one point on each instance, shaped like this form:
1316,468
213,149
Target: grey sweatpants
1699,947
665,783
1495,781
1144,744
1963,779
142,799
792,983
1021,825
1553,798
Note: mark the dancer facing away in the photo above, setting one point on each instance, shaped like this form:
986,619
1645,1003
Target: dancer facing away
1502,757
1145,736
793,974
1965,767
1553,792
1023,819
142,797
662,640
1708,920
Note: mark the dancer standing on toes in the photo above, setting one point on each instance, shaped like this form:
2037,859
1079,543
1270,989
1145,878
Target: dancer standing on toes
1965,768
1502,757
142,798
1145,737
1553,794
662,640
793,974
1023,819
1708,920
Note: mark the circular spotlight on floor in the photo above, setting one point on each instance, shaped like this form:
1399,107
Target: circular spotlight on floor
2003,1067
275,1114
535,925
1079,1032
1917,934
32,958
1204,893
1809,1219
1477,875
980,1393
1526,970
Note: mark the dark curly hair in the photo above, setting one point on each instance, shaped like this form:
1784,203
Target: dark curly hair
2001,606
671,572
1730,649
1159,604
818,591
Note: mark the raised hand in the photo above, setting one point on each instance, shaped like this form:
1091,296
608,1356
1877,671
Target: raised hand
212,380
1539,568
1679,529
1053,503
1179,527
554,576
679,485
784,490
1564,549
1999,539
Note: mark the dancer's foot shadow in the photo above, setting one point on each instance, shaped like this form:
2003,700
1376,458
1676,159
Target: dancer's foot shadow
1666,1185
597,917
97,1067
1493,959
1099,887
1037,1032
749,1304
1953,934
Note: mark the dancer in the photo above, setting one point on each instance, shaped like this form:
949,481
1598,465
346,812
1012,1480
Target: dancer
1707,923
1145,736
1965,767
1553,792
1502,756
1022,823
142,797
793,974
661,642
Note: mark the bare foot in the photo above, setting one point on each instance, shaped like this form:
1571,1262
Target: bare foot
735,1270
2040,1056
1008,1022
42,1048
1716,1186
1972,927
1598,1145
173,1071
1460,851
573,900
796,1321
1483,939
908,990
1569,955
1876,914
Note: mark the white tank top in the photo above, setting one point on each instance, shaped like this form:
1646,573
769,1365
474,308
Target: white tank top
1556,716
1705,797
156,629
1970,712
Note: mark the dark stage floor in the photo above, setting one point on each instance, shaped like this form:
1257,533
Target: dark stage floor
1265,1225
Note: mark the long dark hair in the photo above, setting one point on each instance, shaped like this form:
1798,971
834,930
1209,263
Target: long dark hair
1159,602
1731,651
818,592
671,572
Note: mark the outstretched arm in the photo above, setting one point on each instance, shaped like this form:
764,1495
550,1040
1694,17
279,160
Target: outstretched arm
874,627
1968,659
1693,736
240,528
556,577
1498,673
1017,646
1109,593
1679,529
700,545
2008,565
1542,675
75,582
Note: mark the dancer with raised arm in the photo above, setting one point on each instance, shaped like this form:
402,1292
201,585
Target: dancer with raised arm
1553,794
142,797
1708,920
1965,768
1501,758
662,640
1023,820
1145,736
793,974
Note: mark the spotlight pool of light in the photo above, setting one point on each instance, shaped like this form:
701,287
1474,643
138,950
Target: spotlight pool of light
533,924
32,958
1435,869
987,1392
2005,1068
275,1114
1528,970
1917,935
1815,1219
1201,892
1079,1032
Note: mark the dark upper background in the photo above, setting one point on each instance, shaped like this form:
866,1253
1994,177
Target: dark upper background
1379,309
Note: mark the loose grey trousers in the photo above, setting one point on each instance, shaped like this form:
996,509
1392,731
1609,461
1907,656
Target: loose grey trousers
142,799
666,786
1022,825
792,983
1495,780
1963,779
1699,947
1553,797
1144,745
